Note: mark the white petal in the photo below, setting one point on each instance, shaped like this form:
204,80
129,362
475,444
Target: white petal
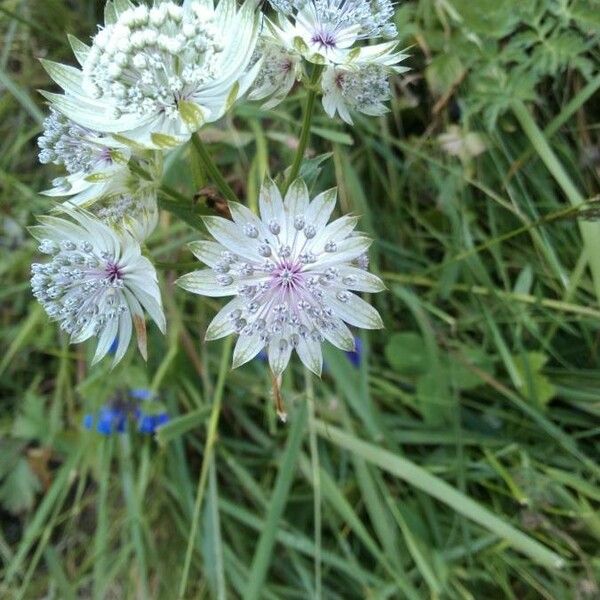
336,231
320,209
270,203
310,354
222,324
347,250
246,348
106,339
355,311
363,280
340,336
242,215
207,252
124,336
232,237
279,355
296,202
204,282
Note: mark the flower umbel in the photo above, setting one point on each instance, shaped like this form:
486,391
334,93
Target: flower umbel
364,89
293,276
155,75
96,284
328,31
90,158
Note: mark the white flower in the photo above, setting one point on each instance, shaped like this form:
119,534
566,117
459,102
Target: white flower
331,31
156,75
364,89
278,72
96,284
91,159
292,275
135,212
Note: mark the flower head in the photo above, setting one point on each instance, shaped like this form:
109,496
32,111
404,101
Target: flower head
90,158
363,89
330,31
292,274
155,75
279,70
114,415
96,283
126,210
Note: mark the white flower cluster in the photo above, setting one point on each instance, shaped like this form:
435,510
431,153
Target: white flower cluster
150,79
156,75
338,36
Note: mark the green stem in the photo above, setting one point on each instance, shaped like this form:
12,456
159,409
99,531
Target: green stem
306,121
590,232
212,170
316,476
208,451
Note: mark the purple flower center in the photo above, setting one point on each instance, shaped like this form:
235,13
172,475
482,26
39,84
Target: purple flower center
288,274
113,272
324,39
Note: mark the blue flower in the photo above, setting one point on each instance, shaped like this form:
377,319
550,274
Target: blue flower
149,423
140,393
114,416
109,420
355,357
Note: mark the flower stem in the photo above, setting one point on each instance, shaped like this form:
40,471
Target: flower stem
211,438
306,121
212,169
316,475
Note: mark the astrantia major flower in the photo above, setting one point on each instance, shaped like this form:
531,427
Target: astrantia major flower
129,211
331,31
364,89
155,75
90,158
97,282
293,276
278,72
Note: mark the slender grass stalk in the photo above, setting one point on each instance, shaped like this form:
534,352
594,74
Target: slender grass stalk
133,510
102,526
589,231
264,550
305,131
316,477
212,170
208,452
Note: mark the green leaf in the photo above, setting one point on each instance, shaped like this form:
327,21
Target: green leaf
407,353
18,491
534,384
181,425
434,397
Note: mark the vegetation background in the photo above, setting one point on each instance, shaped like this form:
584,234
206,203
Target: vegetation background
456,460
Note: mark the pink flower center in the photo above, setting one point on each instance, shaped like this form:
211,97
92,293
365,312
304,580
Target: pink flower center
113,272
288,274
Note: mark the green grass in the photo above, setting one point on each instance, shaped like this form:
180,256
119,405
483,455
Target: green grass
459,461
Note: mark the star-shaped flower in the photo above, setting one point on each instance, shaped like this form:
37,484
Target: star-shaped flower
97,282
293,275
